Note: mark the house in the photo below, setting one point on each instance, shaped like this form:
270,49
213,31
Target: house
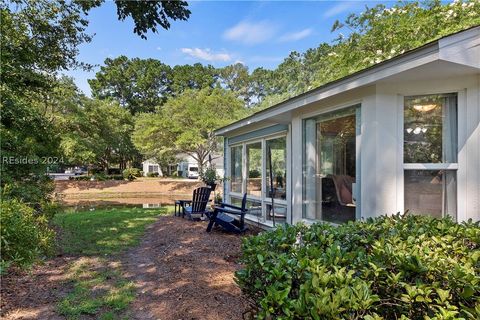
186,166
401,135
151,166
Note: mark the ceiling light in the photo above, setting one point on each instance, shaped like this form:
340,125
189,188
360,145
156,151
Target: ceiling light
417,130
409,130
424,107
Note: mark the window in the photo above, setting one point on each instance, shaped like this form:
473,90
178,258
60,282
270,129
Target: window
329,166
429,151
152,168
254,169
255,181
277,176
236,169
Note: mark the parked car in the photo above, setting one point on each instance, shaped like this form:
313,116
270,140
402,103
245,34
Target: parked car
192,172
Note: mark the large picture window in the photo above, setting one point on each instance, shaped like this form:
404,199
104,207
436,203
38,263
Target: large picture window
429,151
329,166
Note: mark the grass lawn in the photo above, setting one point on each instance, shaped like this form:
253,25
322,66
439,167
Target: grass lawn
98,287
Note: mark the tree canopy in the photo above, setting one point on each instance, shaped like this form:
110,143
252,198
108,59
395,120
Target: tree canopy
44,116
185,124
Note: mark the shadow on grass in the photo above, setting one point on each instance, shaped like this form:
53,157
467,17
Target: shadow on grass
104,232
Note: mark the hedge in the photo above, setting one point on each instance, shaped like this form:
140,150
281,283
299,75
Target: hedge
25,234
411,267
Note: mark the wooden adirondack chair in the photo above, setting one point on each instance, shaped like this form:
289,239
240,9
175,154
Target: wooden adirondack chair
230,217
197,207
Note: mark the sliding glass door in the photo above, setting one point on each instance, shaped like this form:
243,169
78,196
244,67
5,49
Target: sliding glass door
330,165
263,177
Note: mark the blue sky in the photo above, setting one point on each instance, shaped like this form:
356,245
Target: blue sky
256,33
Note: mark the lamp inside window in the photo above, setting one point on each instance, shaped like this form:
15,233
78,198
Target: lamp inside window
424,107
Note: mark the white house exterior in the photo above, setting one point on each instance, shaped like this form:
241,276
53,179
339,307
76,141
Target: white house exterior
184,162
401,135
151,166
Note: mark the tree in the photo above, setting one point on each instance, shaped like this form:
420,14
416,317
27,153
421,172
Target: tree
376,34
146,15
140,85
185,124
236,79
380,33
195,76
99,134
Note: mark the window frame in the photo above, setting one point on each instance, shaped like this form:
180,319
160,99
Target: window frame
403,166
262,199
358,104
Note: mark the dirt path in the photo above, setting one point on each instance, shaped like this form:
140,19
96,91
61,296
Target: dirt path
180,272
183,272
33,295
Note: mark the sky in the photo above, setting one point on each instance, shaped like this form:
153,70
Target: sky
220,33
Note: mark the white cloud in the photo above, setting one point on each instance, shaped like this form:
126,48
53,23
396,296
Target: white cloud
206,54
295,36
337,9
248,32
159,48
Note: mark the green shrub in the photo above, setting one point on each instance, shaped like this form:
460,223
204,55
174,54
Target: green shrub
409,267
80,178
152,174
254,173
131,173
25,234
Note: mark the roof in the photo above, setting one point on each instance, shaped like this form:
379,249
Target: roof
423,54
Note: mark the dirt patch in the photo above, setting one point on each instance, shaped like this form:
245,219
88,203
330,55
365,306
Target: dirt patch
138,186
33,294
183,272
179,270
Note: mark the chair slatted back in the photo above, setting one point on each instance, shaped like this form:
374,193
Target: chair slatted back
200,199
244,210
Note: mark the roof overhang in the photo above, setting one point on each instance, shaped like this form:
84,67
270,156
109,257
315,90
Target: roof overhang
461,48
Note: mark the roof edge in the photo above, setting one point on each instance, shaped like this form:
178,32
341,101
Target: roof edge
426,49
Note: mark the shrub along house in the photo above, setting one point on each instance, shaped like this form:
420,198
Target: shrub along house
401,135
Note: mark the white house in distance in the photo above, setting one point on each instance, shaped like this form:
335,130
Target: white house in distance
187,166
401,135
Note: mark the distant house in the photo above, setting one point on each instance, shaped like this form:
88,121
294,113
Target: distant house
151,166
186,166
401,135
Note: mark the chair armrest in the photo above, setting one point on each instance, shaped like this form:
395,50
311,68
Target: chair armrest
230,211
230,206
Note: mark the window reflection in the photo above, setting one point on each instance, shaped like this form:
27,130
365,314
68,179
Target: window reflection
236,169
330,166
430,134
254,169
277,158
431,192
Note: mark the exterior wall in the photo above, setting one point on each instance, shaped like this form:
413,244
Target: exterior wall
450,65
380,145
150,162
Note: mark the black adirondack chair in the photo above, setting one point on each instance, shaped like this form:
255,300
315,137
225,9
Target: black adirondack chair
229,217
197,207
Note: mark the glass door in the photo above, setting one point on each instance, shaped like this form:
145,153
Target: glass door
330,165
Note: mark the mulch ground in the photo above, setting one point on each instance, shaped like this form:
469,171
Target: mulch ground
180,272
